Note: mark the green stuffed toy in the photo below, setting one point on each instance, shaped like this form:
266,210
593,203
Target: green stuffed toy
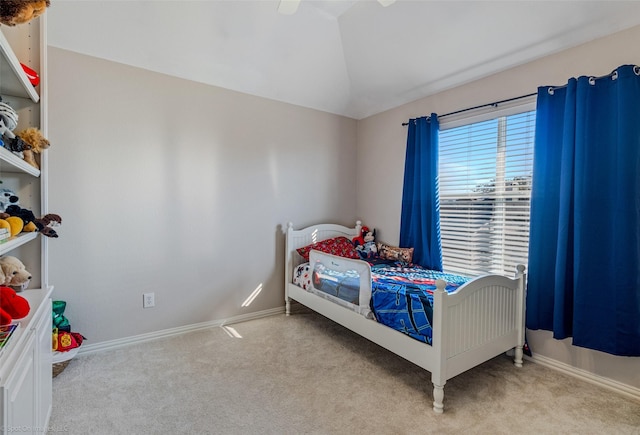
60,322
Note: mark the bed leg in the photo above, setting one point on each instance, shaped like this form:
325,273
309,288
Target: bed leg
287,306
517,359
438,398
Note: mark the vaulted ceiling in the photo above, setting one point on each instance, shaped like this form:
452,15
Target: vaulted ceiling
350,57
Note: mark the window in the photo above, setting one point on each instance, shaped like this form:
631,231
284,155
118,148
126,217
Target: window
485,188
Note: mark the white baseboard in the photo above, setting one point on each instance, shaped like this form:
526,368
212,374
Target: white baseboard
126,341
610,384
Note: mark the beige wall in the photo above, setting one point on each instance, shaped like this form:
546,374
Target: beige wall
178,188
381,148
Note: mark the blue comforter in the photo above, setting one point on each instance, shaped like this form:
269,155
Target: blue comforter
402,297
401,294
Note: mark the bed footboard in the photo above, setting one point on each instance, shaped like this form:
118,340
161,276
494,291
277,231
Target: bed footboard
480,320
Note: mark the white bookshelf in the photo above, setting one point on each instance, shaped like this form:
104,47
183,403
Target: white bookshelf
26,362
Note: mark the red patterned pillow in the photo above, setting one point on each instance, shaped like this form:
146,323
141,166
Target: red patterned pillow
340,246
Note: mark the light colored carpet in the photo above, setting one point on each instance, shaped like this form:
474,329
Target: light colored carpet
304,374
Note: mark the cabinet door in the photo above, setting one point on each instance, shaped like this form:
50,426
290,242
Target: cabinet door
20,392
43,367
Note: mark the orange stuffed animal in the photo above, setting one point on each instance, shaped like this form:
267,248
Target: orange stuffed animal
14,12
37,143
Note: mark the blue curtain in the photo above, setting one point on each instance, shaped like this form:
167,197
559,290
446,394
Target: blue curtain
584,248
420,218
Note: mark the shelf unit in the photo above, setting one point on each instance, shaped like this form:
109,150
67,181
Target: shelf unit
16,242
10,163
29,41
14,83
26,361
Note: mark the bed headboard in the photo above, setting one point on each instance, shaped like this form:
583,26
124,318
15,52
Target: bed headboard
315,233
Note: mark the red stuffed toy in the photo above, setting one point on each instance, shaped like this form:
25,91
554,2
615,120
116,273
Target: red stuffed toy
12,306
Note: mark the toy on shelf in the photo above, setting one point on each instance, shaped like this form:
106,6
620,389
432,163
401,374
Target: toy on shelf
14,12
33,76
16,225
8,123
7,198
43,225
17,219
26,143
46,223
36,144
12,306
13,272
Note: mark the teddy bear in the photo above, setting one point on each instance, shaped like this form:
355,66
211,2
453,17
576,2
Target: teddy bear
12,305
13,272
14,12
36,144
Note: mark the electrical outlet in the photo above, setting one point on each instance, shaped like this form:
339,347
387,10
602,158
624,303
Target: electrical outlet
148,300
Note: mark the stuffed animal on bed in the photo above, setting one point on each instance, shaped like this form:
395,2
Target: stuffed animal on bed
14,12
365,244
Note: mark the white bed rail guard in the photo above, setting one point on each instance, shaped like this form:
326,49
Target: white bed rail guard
341,265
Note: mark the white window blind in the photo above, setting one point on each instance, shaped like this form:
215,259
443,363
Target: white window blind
485,188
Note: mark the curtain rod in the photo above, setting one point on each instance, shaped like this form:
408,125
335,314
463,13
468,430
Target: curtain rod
592,80
494,104
613,74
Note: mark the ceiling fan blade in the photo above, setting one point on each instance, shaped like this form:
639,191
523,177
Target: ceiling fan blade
288,7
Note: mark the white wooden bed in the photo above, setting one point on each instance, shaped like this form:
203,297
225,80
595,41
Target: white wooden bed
480,320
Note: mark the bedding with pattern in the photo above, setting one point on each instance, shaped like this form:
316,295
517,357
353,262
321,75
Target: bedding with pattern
402,297
402,294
